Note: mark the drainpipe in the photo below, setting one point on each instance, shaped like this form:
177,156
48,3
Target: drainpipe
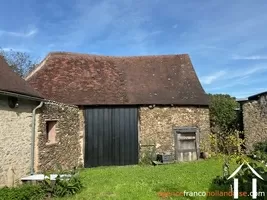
33,136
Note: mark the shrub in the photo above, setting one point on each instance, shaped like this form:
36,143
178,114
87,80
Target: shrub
148,154
225,122
261,146
22,192
259,156
223,116
260,152
244,176
226,142
63,186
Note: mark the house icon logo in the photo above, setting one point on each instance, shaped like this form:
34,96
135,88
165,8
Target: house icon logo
254,181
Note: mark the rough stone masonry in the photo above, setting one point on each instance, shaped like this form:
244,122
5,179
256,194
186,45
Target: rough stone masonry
156,125
255,121
65,153
15,137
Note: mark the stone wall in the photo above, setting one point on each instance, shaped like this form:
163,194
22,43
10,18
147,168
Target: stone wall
15,140
65,153
255,121
82,134
156,125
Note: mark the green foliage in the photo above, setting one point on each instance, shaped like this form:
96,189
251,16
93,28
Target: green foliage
244,176
225,123
22,192
259,156
148,155
260,152
226,142
233,158
222,112
63,185
222,181
261,146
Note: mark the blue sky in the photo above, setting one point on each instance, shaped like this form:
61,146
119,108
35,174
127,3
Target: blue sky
226,40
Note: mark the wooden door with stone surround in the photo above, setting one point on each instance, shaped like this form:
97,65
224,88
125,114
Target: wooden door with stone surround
186,143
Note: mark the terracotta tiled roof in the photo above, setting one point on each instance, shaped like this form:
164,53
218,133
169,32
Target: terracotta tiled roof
83,79
12,82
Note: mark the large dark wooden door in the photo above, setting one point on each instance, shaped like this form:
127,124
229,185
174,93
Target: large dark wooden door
111,136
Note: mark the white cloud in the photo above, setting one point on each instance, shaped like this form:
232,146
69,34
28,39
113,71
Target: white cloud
230,84
212,77
30,33
247,72
19,34
120,24
212,47
230,78
254,57
243,73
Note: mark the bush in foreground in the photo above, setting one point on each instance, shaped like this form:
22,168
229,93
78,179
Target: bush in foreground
244,175
61,187
22,192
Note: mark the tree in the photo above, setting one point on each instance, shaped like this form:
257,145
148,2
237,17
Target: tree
223,115
20,62
225,124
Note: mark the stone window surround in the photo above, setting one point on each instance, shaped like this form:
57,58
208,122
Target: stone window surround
187,130
56,130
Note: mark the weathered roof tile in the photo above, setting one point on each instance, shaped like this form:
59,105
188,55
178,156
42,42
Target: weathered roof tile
83,79
12,82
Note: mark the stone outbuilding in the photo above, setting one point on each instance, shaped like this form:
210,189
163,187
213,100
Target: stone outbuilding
17,101
124,106
254,110
28,123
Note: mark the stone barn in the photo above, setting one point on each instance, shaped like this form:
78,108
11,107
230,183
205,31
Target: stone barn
124,105
254,110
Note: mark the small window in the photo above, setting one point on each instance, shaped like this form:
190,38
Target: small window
51,132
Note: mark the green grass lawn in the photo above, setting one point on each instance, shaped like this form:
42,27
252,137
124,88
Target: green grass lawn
145,182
